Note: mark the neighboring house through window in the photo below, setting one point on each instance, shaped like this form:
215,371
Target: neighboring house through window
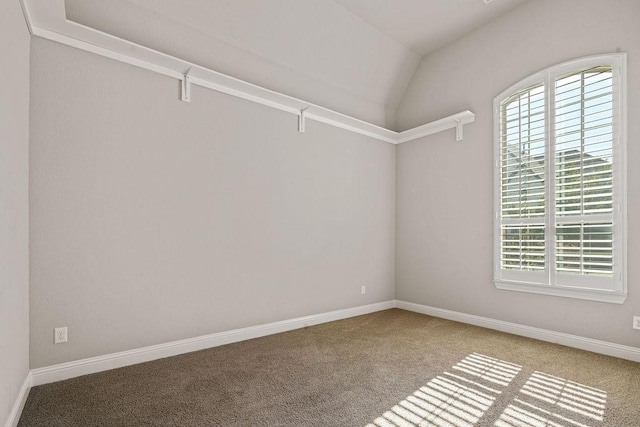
559,141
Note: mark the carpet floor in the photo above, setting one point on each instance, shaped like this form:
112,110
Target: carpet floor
388,369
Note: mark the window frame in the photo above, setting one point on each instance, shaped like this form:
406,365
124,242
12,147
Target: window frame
544,282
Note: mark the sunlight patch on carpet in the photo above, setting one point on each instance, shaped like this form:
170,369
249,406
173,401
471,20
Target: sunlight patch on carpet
549,401
462,397
441,402
488,368
453,399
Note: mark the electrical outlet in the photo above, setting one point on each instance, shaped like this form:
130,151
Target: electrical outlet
363,290
636,322
60,335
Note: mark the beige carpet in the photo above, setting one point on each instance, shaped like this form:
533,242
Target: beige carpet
392,368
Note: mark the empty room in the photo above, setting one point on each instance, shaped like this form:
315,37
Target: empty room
373,213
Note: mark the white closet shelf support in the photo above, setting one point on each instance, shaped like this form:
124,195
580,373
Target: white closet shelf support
185,93
459,135
47,19
302,119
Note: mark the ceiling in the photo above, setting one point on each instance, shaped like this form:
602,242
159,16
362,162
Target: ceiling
353,56
426,25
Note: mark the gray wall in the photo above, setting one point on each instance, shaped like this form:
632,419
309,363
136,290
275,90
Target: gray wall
154,220
14,204
445,188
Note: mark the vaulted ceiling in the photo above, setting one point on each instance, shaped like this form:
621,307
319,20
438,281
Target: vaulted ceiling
353,56
426,25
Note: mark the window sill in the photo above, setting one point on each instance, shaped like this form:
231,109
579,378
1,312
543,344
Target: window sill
588,294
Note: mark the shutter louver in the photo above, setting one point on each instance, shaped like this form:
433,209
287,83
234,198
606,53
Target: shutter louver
584,172
522,169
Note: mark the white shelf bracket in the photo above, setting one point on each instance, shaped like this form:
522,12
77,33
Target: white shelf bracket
459,134
302,120
185,93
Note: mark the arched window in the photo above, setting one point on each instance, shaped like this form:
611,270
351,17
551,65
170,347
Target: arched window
559,143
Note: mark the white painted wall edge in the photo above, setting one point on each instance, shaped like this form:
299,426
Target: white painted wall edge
47,19
92,365
21,399
582,343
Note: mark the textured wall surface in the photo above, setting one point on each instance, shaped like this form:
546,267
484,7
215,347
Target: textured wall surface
14,204
445,189
154,220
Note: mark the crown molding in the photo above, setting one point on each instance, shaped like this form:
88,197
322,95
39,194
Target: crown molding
47,19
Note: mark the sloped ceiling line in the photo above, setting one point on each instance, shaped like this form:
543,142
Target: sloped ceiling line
47,19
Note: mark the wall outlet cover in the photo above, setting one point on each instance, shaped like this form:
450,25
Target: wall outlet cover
60,335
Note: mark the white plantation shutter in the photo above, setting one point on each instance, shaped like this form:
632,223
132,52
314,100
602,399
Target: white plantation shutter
584,172
560,226
522,187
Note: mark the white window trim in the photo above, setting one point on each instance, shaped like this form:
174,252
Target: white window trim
532,284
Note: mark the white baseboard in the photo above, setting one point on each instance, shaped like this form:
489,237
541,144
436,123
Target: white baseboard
18,405
596,346
92,365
